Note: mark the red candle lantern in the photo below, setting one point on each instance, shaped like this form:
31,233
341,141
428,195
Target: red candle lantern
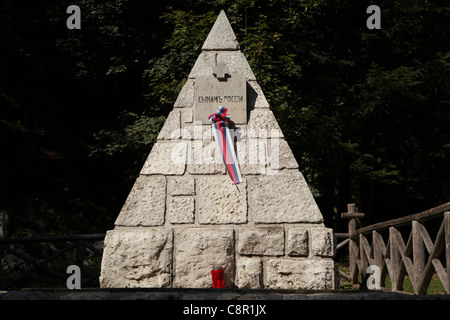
218,275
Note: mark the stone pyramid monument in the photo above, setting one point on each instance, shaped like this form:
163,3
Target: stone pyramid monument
184,214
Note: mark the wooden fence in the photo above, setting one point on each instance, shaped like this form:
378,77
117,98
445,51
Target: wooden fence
382,245
71,248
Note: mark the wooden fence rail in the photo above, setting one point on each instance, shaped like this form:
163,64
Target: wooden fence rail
419,257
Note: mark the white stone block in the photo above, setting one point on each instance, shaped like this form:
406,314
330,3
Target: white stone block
137,258
197,250
168,158
146,203
281,156
205,158
181,210
281,198
197,131
252,156
221,36
323,242
262,124
267,241
255,96
220,201
188,116
297,242
310,274
186,97
249,273
171,129
181,186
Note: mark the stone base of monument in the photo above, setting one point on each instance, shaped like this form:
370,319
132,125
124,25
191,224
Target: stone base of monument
276,257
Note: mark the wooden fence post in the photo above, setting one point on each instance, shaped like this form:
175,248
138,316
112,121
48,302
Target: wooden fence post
352,215
418,254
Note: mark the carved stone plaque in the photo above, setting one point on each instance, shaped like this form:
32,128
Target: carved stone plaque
221,89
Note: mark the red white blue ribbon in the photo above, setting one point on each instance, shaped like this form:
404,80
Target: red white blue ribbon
224,141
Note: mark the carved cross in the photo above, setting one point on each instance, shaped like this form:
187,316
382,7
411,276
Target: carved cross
221,71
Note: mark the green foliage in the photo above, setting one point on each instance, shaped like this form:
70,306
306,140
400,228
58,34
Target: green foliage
166,75
138,134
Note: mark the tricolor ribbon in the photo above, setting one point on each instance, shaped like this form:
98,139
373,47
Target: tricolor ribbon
224,141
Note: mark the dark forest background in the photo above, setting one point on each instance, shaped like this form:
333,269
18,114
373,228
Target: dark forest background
366,112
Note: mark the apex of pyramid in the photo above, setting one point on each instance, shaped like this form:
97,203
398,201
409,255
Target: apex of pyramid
221,36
